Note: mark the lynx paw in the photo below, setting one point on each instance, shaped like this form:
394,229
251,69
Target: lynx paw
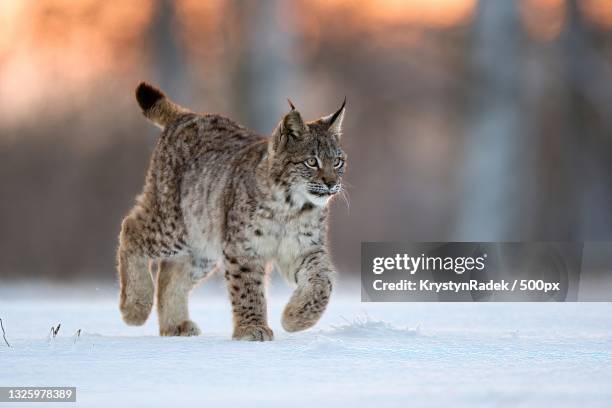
298,319
306,307
253,333
186,328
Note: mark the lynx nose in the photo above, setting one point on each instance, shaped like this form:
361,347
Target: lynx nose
329,182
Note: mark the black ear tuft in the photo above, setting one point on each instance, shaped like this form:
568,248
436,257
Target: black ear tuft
338,112
291,104
147,95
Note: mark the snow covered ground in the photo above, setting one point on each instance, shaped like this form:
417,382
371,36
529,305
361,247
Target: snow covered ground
408,354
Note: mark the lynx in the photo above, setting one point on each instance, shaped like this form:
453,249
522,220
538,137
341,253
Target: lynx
218,196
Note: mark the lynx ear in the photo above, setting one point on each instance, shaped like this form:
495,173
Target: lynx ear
292,125
334,121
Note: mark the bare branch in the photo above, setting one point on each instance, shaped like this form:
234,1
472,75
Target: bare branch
4,333
77,335
54,330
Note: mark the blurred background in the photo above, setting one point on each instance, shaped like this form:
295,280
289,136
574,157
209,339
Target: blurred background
468,120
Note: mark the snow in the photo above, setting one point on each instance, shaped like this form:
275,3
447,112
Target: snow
360,354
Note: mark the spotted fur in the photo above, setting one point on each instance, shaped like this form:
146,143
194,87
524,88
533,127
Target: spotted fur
217,195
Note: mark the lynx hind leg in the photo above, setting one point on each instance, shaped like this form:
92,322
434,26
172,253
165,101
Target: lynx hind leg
175,280
135,280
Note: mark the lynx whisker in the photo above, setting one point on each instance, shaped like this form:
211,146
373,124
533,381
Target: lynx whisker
345,197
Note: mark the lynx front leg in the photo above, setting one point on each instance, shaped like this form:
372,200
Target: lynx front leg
314,275
246,285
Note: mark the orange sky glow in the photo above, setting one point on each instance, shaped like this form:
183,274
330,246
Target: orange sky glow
62,45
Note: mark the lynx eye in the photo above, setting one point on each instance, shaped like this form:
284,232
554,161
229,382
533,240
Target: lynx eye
312,162
338,162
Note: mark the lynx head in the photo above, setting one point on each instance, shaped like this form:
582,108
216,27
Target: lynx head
305,158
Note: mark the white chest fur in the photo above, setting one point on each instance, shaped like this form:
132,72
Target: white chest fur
285,241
